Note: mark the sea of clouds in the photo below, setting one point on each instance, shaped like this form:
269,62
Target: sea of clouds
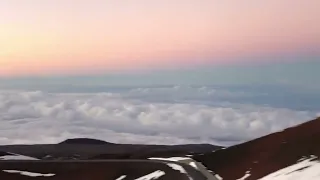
149,115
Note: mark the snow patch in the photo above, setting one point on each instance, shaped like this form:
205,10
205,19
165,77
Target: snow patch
218,177
152,176
13,156
193,164
245,176
175,159
306,169
177,167
121,177
26,173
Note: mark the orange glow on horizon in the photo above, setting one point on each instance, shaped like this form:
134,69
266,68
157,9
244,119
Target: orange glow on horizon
63,36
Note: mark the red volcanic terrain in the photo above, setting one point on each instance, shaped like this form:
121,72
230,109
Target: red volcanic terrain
260,157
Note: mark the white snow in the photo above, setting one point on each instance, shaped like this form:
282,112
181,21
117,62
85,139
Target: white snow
26,173
307,169
188,161
121,177
177,168
16,157
175,159
193,164
245,176
218,177
152,176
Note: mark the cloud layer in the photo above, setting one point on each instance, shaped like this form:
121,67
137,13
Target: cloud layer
40,117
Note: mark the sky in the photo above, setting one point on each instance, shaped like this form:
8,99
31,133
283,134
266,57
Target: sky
157,71
54,37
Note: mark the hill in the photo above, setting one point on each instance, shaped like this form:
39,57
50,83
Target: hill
84,149
296,148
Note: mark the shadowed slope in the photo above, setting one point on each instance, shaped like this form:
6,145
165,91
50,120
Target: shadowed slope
265,155
85,141
97,170
83,148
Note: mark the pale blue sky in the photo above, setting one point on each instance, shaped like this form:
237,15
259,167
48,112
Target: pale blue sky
302,75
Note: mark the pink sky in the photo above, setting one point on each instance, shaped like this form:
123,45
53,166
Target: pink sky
58,36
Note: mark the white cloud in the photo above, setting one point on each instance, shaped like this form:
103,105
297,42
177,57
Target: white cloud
39,117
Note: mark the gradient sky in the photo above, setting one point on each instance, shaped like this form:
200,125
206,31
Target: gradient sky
88,36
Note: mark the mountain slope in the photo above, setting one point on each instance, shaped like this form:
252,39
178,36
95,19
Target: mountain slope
85,141
98,170
84,149
305,169
258,158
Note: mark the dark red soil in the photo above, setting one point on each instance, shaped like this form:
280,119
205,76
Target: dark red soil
265,155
